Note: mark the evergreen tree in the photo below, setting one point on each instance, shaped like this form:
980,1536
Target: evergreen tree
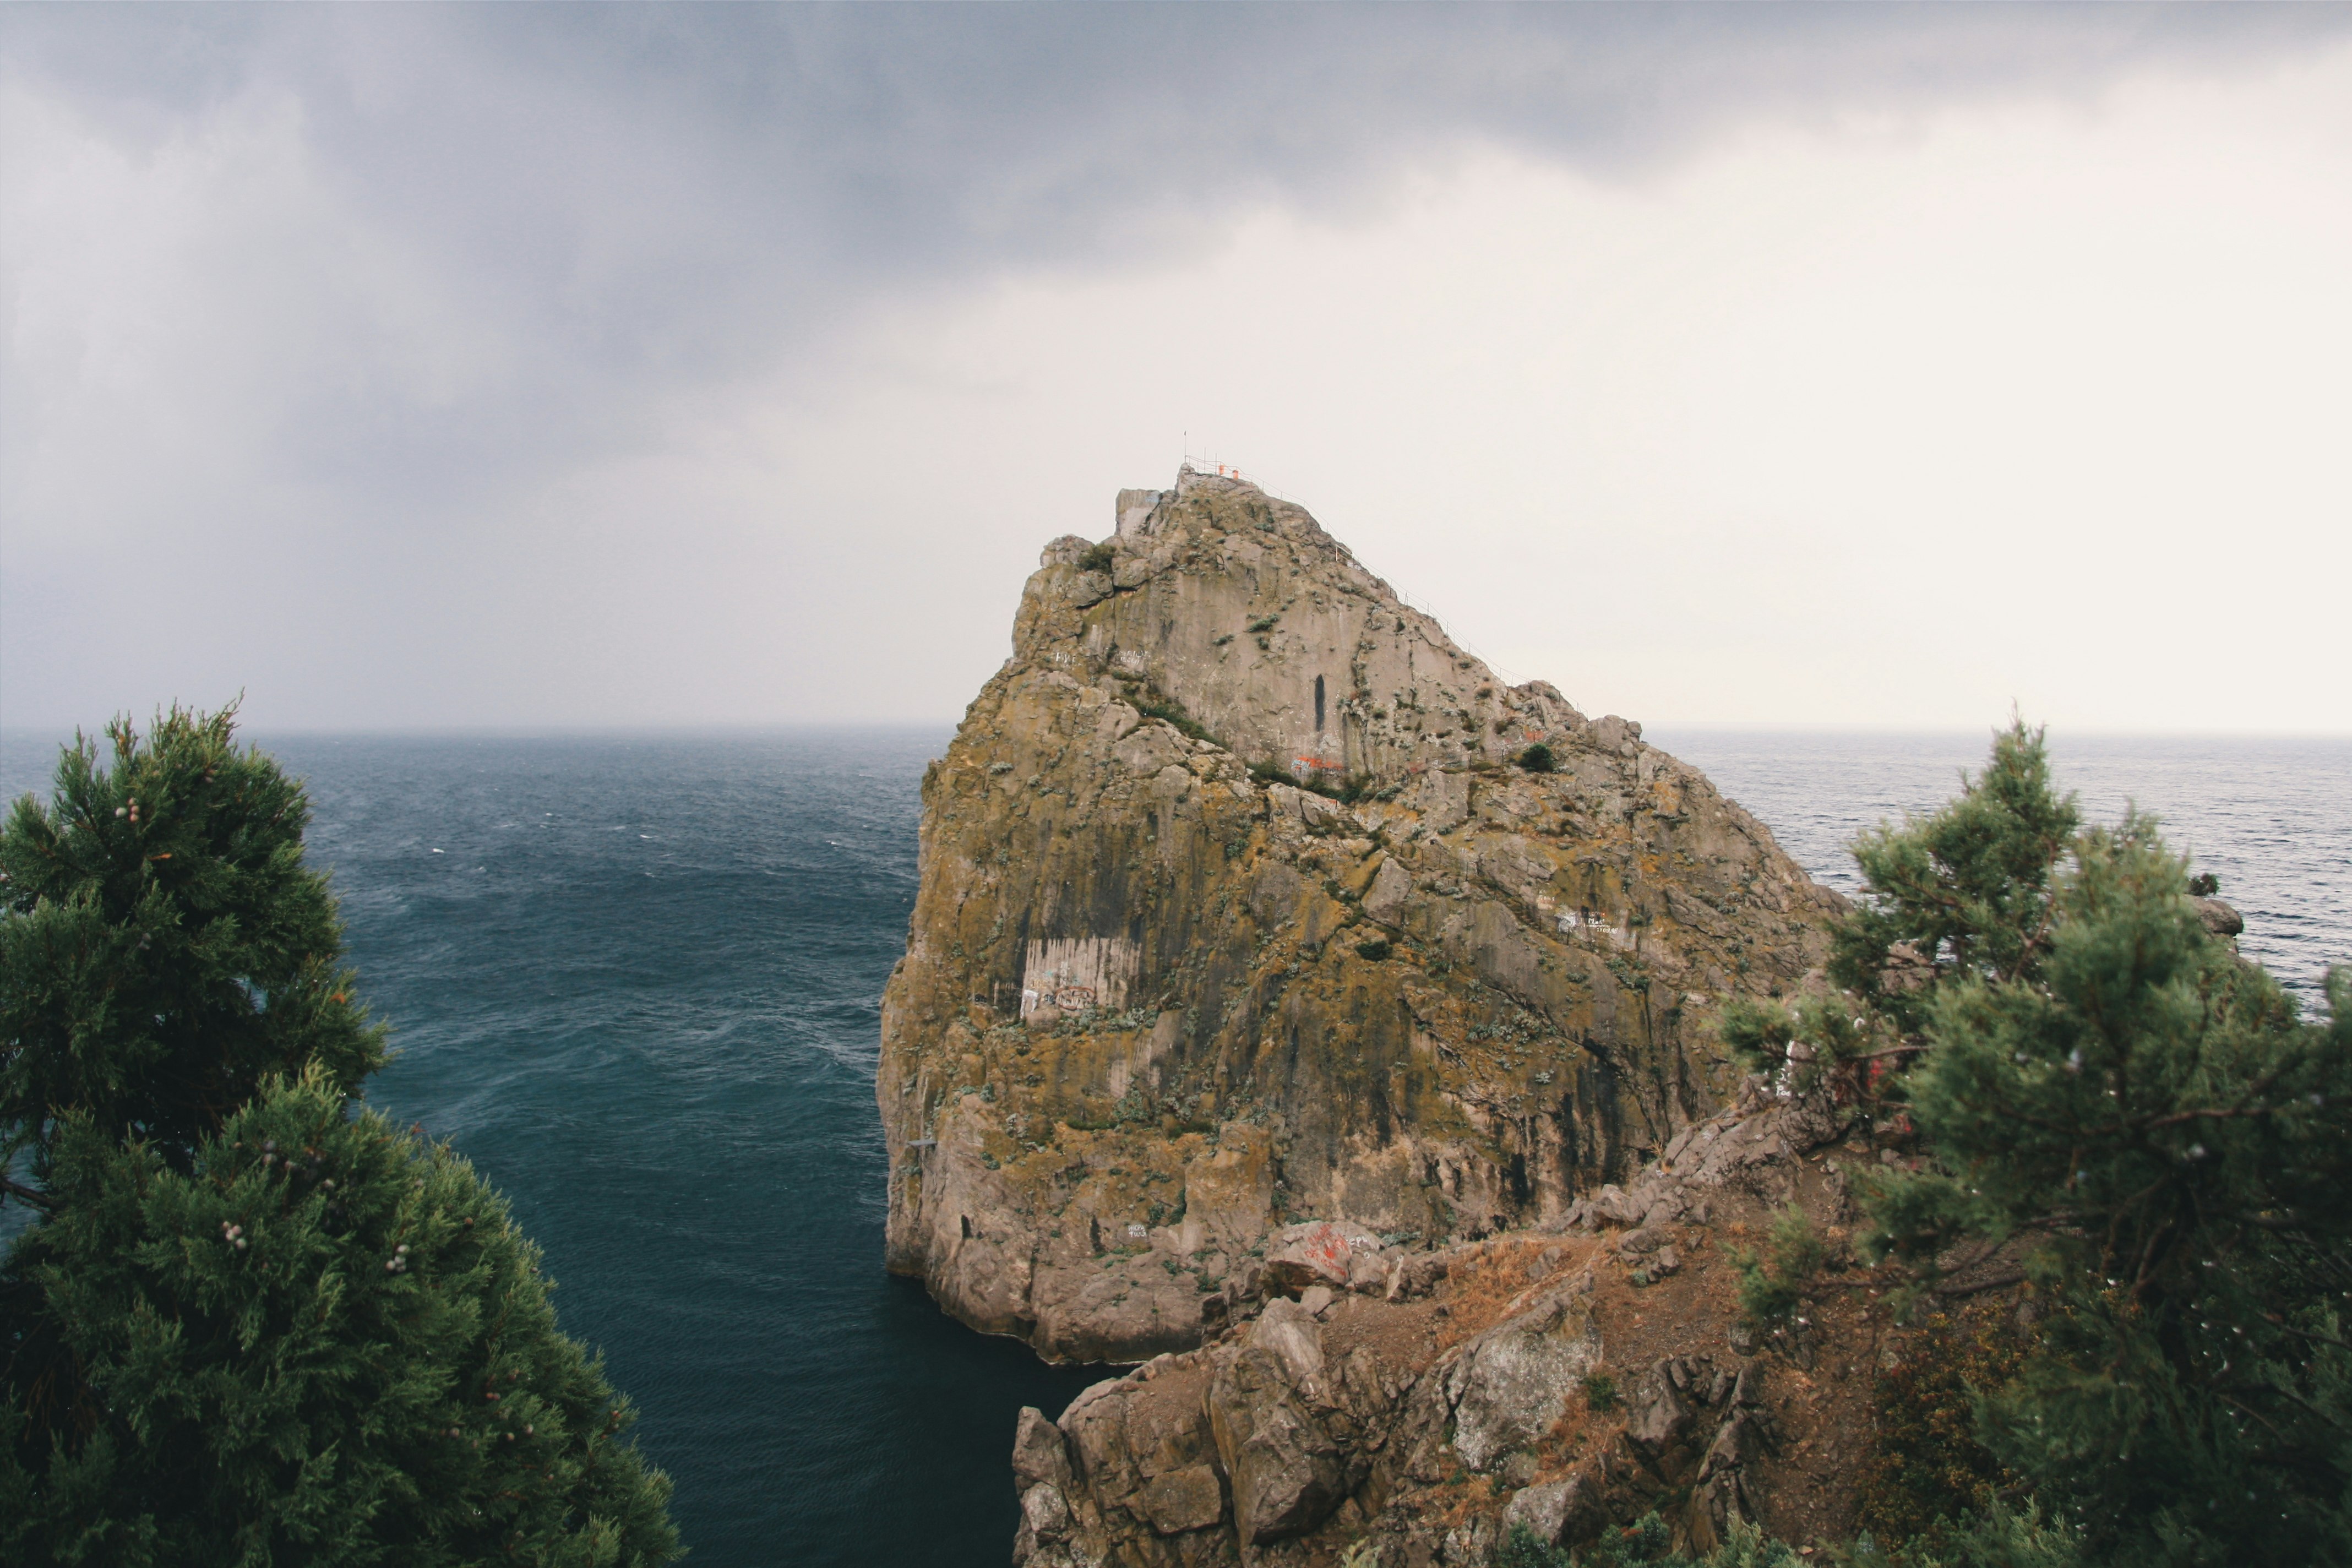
252,1323
2144,1124
165,948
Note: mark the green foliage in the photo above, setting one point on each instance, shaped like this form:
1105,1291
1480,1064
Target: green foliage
1374,948
1928,1464
163,947
1347,790
252,1323
1774,1279
2000,1537
1151,705
1097,558
2147,1124
2204,885
1538,759
1523,1548
1263,623
1647,1543
1809,1040
328,1343
1601,1391
1968,890
1749,1547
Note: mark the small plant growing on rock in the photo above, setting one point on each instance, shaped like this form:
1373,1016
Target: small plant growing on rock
1772,1282
1098,559
1601,1391
1538,759
1646,1540
1153,705
1374,948
2204,885
1523,1548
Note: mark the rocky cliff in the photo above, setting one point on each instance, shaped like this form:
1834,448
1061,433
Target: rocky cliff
1567,1378
1244,903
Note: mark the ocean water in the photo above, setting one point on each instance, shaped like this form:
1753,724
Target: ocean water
2272,817
636,980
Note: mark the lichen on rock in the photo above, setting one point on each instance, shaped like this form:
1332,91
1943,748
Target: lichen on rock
1237,915
1427,1421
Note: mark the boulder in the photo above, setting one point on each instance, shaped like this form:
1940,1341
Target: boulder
1515,1379
2219,918
1656,1416
1046,1512
1039,1455
1554,1511
1316,1254
1289,1332
1286,1473
1189,1499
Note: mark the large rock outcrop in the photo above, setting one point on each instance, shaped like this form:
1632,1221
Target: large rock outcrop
1566,1378
1238,910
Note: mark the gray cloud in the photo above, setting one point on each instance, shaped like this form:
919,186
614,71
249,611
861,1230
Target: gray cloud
450,254
635,198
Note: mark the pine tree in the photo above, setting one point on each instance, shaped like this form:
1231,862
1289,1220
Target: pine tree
164,947
2144,1123
253,1323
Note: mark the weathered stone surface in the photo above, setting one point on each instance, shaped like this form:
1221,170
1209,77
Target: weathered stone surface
1516,1379
1287,1474
1155,1007
1551,1511
1310,1255
2219,918
1189,1499
1308,1425
1656,1416
1038,1454
1287,1330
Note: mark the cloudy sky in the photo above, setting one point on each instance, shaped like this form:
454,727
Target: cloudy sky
610,366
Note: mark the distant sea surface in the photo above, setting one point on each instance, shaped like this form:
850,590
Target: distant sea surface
636,980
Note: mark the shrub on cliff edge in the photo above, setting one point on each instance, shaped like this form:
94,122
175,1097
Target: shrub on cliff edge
2118,1107
251,1323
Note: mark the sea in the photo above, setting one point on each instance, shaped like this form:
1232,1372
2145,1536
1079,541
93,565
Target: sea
635,979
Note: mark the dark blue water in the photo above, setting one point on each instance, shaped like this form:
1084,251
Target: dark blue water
636,980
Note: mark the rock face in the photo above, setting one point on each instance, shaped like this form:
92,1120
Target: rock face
1167,999
1427,1420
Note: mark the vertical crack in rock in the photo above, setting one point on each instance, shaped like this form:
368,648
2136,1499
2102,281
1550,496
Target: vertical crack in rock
1238,910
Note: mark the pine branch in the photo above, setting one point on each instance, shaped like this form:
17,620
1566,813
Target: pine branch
2284,1326
2177,1117
39,1200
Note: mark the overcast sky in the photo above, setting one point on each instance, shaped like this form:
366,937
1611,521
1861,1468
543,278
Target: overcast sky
531,365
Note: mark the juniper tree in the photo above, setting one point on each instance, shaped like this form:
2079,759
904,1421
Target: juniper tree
252,1323
165,948
2143,1124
